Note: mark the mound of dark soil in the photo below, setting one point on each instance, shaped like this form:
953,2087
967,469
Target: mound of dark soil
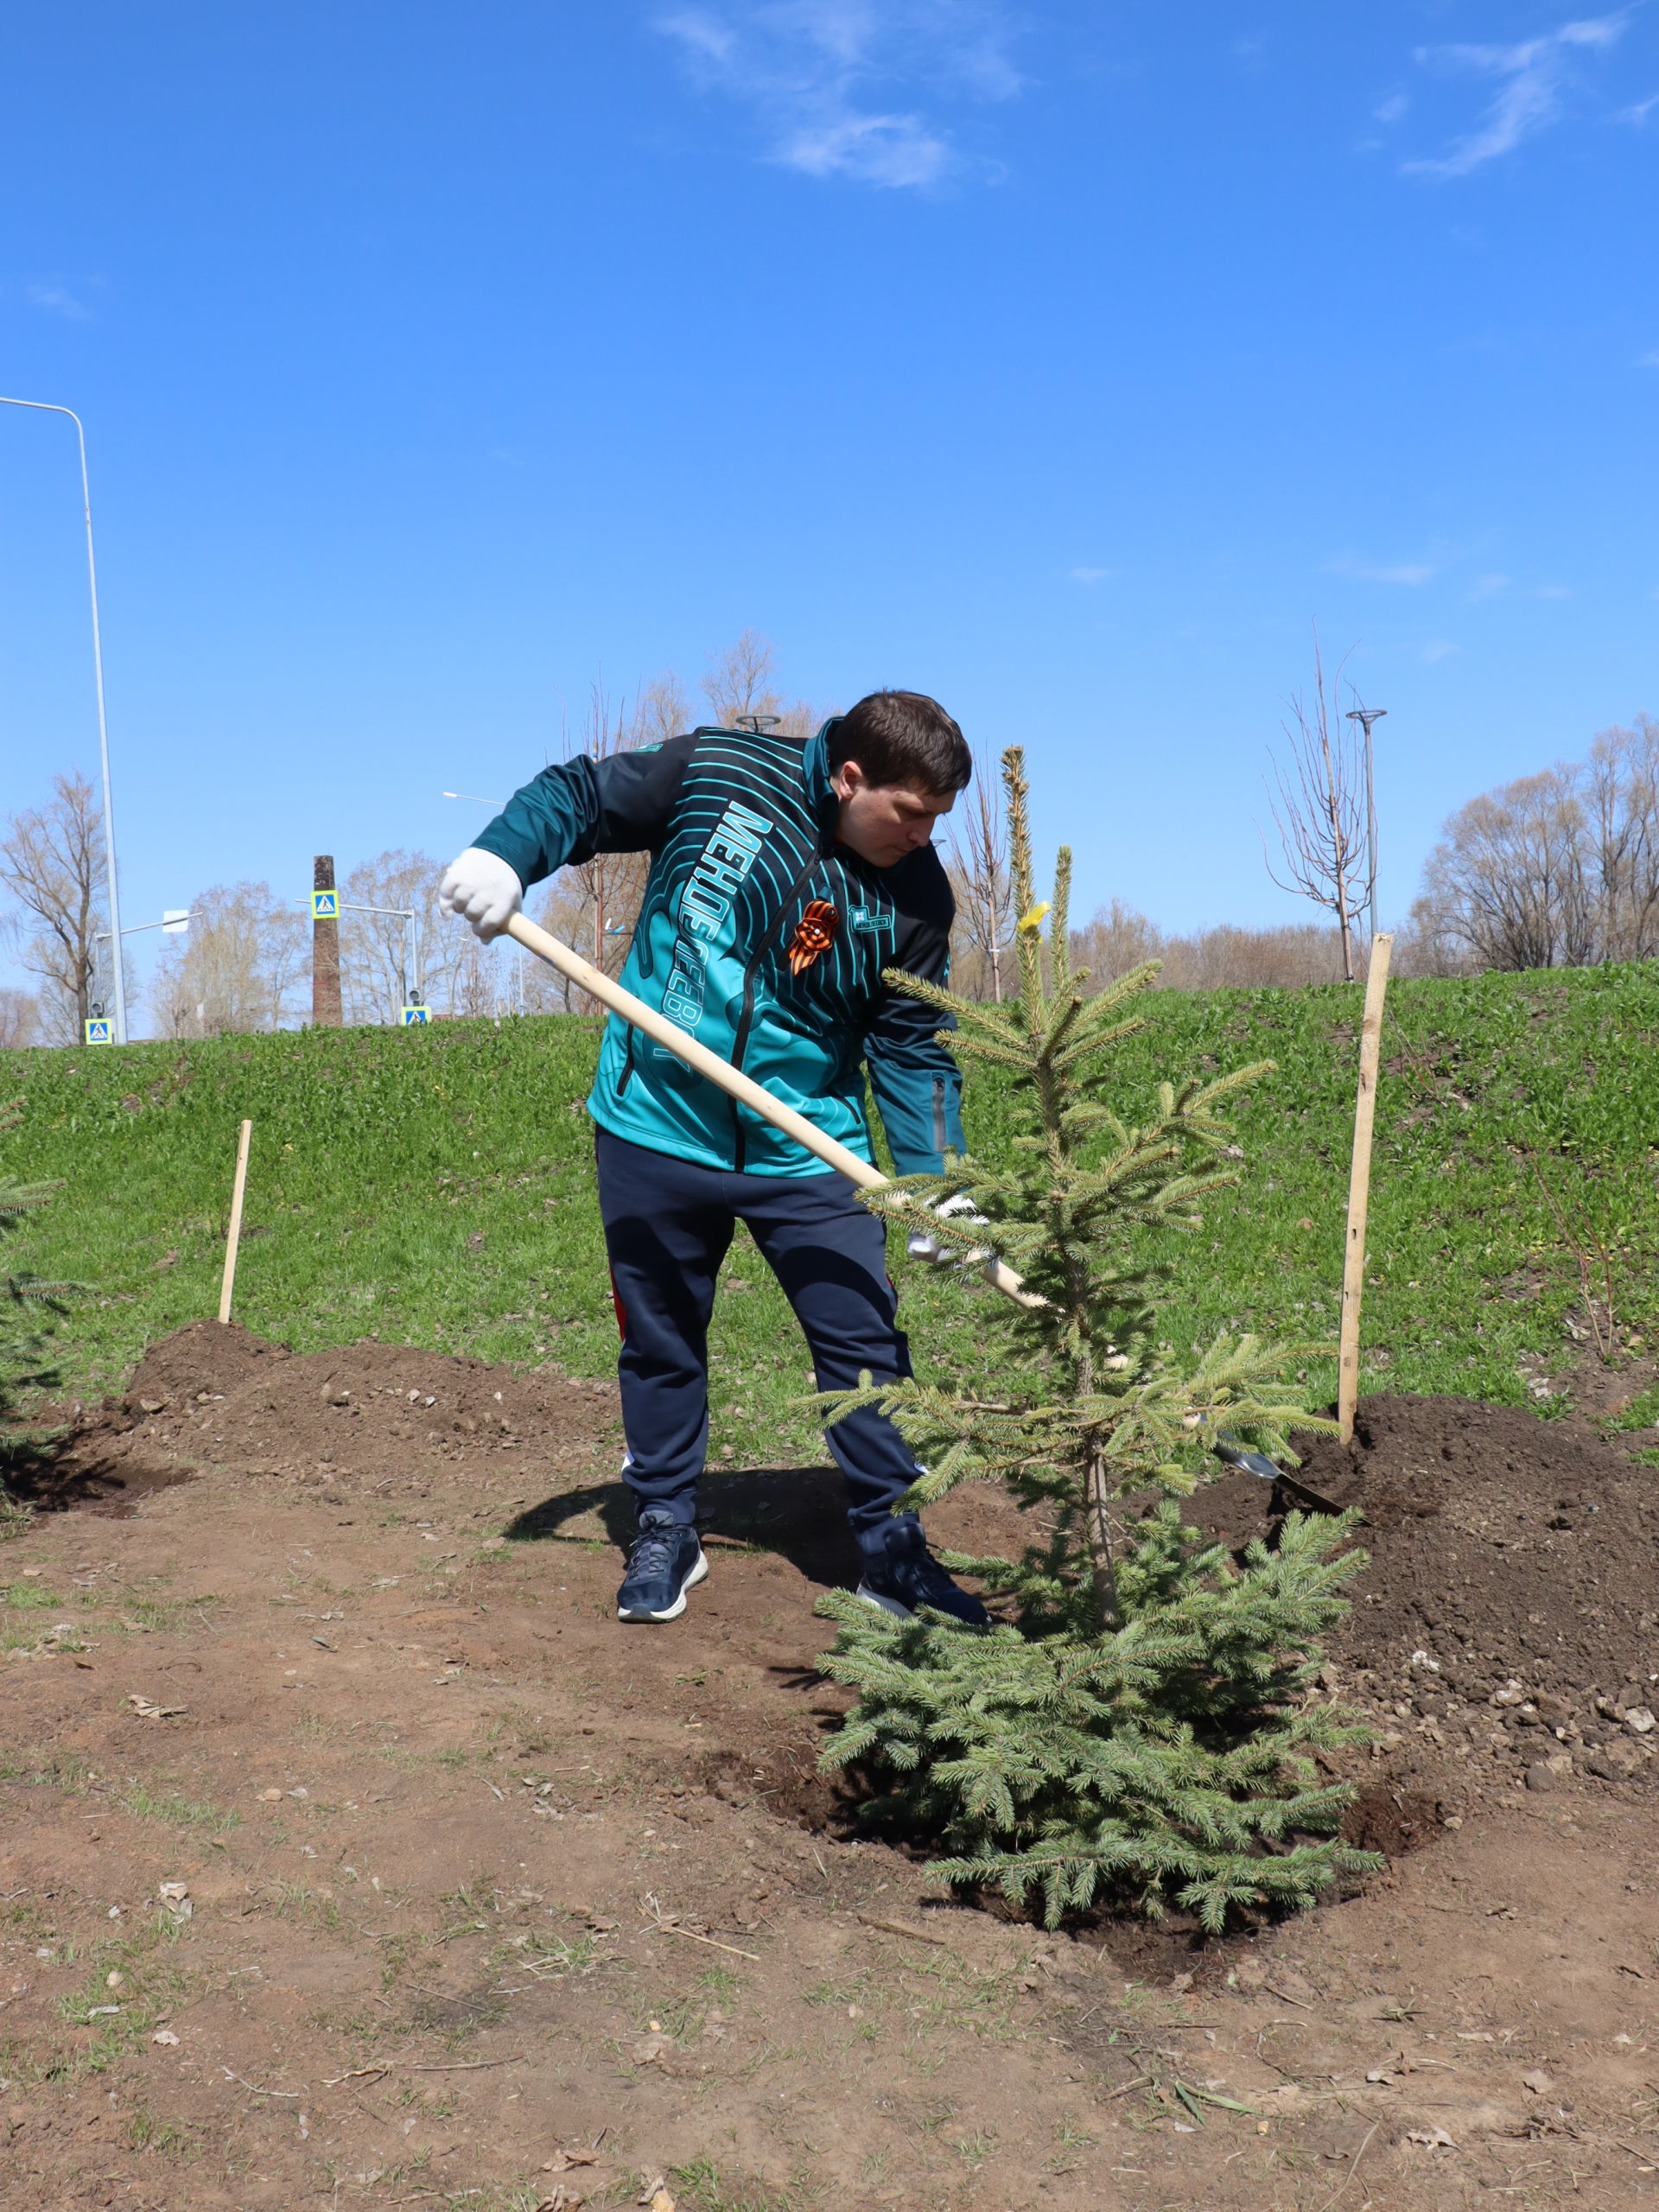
1510,1609
213,1395
1501,1544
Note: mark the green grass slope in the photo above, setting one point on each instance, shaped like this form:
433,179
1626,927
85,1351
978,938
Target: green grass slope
436,1187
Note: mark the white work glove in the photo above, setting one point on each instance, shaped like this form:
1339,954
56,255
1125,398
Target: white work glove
483,890
921,1245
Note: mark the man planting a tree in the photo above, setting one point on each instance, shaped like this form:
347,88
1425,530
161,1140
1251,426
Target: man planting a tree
784,880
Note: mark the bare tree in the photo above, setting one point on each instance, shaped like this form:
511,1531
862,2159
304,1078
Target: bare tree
1319,810
1620,794
561,913
376,968
662,710
1556,870
978,867
52,864
20,1019
605,891
237,968
741,681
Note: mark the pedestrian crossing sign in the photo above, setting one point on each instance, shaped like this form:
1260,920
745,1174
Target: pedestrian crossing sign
96,1032
415,1015
325,905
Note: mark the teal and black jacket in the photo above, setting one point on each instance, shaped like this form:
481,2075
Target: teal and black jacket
761,938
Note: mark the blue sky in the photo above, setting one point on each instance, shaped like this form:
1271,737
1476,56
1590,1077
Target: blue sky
1066,361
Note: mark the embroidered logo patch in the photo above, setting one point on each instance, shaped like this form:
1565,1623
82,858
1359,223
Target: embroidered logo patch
871,919
814,935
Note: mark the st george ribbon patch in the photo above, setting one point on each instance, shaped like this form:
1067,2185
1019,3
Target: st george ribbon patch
814,935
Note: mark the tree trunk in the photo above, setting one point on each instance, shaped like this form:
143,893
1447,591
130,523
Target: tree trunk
1098,1528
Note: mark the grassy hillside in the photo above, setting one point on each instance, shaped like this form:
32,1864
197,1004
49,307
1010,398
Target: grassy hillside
436,1187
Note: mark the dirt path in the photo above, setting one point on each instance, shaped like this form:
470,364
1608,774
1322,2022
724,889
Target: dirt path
428,1883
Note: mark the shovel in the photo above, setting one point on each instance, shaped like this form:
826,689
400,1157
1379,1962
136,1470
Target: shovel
1232,1453
733,1081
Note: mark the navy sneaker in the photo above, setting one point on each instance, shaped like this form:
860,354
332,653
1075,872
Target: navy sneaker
665,1562
910,1577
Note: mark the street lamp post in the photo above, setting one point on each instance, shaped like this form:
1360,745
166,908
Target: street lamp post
48,407
1365,716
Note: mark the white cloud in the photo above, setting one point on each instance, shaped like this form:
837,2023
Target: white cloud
1488,586
1649,361
1398,572
892,150
1553,591
1390,109
1089,575
1638,112
1436,649
55,299
851,88
1531,75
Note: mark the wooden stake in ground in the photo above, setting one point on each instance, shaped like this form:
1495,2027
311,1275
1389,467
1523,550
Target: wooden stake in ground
1359,1186
227,1289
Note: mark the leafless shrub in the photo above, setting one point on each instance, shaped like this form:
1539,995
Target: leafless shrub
1556,870
20,1019
1596,1270
238,967
1119,938
1228,959
1319,810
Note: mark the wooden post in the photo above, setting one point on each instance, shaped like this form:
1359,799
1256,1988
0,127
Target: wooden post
1359,1186
228,1286
325,952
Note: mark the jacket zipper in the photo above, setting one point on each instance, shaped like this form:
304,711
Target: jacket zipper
938,1114
744,1020
626,1076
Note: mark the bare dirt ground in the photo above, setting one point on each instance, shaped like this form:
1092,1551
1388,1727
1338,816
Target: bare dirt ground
352,1854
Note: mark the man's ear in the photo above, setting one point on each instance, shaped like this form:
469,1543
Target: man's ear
847,779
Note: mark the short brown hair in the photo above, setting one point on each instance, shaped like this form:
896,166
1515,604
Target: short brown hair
903,737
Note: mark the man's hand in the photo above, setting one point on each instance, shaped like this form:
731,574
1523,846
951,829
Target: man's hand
482,890
921,1245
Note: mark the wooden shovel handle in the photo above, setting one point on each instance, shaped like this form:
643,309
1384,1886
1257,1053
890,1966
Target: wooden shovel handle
731,1080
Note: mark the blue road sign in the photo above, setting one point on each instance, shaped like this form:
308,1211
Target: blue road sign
325,905
415,1015
96,1032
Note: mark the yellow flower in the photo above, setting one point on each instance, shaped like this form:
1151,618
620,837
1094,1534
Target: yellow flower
1033,920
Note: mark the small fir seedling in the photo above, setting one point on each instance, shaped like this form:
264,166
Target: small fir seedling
1140,1725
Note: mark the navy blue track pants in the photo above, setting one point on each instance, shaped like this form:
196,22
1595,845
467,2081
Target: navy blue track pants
667,1226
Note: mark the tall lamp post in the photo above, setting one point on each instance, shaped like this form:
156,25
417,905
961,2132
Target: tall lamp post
1365,716
46,407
